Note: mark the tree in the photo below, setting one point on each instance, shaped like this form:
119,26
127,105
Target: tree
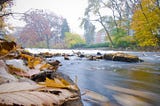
94,7
4,11
65,28
89,31
41,26
122,12
146,23
73,39
3,5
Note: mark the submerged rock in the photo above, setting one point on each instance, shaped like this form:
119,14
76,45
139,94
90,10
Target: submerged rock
98,53
66,57
46,55
92,57
122,57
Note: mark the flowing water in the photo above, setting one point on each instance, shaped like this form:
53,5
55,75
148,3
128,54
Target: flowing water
122,83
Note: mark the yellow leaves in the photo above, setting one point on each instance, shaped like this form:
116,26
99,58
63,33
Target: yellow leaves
73,39
36,62
3,51
149,42
17,71
31,60
146,23
26,92
47,66
6,47
59,83
25,56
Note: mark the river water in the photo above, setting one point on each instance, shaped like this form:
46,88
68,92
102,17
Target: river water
120,83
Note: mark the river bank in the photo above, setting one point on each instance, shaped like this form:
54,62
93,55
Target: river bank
29,80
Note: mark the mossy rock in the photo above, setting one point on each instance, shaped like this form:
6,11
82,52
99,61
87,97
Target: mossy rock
122,57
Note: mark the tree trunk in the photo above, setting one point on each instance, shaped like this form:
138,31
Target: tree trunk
107,32
47,41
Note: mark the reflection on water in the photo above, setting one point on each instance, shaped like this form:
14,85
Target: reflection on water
142,76
136,84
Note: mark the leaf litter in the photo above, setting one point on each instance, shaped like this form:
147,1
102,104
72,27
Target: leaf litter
16,86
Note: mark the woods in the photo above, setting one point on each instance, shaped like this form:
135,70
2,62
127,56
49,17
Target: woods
131,22
40,26
123,24
146,23
45,60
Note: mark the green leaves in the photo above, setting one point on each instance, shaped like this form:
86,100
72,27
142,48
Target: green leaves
73,39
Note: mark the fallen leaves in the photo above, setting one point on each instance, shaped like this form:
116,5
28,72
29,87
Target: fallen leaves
31,60
26,94
16,87
59,83
55,83
5,76
6,46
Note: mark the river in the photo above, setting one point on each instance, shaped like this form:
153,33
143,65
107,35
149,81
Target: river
122,83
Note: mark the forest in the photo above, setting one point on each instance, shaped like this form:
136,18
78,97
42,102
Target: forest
114,62
133,24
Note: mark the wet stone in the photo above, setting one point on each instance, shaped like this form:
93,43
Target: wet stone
122,57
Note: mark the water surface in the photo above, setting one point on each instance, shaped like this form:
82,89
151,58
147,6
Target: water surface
141,81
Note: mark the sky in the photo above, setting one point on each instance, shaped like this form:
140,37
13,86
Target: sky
72,10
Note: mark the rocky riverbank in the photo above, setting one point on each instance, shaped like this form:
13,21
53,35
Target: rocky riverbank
27,79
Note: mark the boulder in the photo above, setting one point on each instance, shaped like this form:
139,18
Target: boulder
98,53
122,57
66,57
92,57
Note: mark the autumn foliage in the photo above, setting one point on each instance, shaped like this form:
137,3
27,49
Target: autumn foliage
19,71
146,23
41,27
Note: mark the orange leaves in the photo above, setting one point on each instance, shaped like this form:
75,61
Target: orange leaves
46,66
37,62
17,71
31,60
6,47
14,89
59,83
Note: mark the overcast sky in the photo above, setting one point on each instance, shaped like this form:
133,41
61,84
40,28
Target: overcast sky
72,10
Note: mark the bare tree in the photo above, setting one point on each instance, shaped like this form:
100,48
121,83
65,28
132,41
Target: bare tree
94,7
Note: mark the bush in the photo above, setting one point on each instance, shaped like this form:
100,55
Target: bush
98,45
82,45
125,41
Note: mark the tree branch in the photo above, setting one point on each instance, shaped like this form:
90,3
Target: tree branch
5,14
101,21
